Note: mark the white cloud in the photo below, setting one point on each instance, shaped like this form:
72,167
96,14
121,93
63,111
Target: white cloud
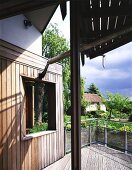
119,55
95,73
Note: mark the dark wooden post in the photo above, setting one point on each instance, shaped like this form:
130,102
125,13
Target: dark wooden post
75,86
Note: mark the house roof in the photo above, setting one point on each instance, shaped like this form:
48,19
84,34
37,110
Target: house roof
92,98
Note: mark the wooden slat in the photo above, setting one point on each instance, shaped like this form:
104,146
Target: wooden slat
18,113
13,86
1,147
33,154
96,20
42,144
4,114
9,114
40,152
29,155
104,21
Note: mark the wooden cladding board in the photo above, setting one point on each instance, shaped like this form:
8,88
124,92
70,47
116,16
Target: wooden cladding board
40,151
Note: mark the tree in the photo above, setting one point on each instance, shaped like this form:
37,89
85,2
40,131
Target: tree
94,90
84,102
53,43
117,103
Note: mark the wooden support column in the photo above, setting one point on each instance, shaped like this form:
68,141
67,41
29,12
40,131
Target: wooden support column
75,86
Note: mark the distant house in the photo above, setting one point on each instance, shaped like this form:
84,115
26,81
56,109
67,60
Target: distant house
95,102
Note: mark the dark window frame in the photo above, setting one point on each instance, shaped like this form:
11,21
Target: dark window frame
29,104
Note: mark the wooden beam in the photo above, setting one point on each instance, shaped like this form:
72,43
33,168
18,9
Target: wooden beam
92,35
15,7
107,12
111,46
106,39
75,85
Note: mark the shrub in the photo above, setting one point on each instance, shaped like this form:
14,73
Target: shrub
128,129
39,127
68,127
83,124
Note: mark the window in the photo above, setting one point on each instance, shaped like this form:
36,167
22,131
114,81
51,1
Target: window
40,105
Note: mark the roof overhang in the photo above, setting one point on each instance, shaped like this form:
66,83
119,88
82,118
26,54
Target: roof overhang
41,17
10,8
98,19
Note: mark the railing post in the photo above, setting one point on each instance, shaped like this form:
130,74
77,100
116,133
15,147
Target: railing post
125,131
64,140
97,128
89,134
105,135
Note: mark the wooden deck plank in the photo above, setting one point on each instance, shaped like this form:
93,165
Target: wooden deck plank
95,157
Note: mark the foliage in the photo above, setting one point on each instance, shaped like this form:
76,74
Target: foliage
68,127
84,102
98,114
93,89
127,128
39,127
118,103
112,125
53,43
83,124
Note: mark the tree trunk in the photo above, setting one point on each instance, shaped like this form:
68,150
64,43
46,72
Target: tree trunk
39,101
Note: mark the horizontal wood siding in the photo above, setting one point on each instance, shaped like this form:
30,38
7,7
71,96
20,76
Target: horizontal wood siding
17,153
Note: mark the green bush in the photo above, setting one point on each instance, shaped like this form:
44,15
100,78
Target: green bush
39,127
127,128
68,127
98,114
83,124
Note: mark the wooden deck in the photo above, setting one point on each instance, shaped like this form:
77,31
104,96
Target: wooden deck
96,157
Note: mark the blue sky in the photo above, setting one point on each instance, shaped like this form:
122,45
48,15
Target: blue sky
117,75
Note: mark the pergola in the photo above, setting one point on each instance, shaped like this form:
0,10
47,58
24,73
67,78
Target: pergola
97,26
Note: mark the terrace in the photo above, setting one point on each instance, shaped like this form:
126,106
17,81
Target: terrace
96,157
102,147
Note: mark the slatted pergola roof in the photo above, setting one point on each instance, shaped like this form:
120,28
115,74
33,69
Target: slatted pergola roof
102,18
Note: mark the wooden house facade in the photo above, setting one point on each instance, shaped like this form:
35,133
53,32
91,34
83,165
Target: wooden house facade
18,150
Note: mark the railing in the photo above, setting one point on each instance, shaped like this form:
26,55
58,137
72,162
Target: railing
93,131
